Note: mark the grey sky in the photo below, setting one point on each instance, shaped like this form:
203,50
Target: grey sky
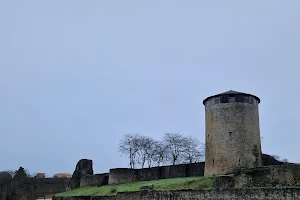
76,75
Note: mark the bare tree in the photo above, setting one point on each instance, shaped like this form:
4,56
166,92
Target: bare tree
156,154
194,150
151,151
159,153
145,152
176,145
129,145
174,149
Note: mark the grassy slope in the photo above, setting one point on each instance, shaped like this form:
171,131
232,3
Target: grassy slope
163,184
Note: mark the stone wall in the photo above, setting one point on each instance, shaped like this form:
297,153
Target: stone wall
72,198
271,176
218,194
283,175
83,168
125,175
245,194
268,160
31,188
49,185
86,198
121,175
94,180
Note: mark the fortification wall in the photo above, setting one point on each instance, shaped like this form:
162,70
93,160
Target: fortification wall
271,176
268,160
49,185
72,198
245,194
283,175
30,188
86,198
271,182
94,180
121,175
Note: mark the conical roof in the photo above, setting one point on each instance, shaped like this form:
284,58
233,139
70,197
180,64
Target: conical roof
232,92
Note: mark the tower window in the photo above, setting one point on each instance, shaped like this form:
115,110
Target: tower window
230,134
231,99
217,100
251,100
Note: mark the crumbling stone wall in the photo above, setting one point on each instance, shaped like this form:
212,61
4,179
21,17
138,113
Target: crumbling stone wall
270,176
83,168
268,160
121,175
84,175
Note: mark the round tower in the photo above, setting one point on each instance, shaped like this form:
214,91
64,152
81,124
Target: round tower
232,132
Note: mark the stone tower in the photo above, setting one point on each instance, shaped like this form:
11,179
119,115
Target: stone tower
232,132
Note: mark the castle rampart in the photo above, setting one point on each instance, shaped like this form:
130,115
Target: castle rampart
122,175
245,194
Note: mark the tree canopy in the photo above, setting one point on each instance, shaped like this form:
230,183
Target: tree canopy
174,148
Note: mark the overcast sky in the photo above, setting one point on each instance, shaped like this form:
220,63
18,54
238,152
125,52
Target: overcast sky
76,75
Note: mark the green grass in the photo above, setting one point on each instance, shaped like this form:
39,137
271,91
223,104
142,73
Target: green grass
163,184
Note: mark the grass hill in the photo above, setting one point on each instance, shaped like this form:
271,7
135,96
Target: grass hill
163,184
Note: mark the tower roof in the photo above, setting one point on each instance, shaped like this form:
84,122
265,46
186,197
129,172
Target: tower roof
231,92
